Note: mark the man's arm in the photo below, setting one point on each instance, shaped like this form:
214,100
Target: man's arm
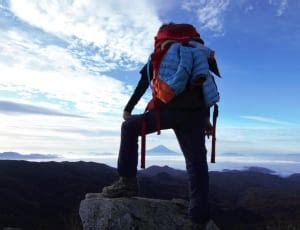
138,92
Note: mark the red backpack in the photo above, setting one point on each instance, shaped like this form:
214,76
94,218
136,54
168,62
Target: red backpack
167,34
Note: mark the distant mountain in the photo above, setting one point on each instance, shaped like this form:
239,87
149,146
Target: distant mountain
154,170
251,169
33,156
293,157
260,169
161,150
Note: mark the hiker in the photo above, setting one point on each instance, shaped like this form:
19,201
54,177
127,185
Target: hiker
187,115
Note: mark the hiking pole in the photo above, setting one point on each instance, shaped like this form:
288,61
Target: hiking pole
143,144
213,143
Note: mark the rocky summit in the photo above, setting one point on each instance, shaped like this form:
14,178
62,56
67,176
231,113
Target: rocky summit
136,213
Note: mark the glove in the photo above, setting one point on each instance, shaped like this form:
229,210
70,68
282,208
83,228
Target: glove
209,129
126,115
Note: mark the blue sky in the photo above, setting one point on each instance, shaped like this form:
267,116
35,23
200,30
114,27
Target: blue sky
67,69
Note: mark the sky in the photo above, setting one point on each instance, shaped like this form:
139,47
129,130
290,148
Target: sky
68,68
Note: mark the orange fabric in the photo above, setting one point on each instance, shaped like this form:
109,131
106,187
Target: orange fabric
163,91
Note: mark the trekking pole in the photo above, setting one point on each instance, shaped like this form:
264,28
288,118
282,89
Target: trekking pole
213,143
143,144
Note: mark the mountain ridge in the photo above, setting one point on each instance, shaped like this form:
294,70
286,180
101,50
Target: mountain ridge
32,156
48,194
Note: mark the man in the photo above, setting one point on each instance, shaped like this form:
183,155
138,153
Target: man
188,116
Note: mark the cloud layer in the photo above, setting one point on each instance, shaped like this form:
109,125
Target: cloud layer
215,15
122,31
210,13
33,70
269,120
19,108
55,65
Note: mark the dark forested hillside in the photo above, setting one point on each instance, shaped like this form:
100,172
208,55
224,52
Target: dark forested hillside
47,195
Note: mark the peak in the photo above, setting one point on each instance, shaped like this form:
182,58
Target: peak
159,167
161,149
154,170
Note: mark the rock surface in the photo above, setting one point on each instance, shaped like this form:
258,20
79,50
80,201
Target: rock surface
135,213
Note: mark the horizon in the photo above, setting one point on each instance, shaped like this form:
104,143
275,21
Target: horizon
281,164
68,69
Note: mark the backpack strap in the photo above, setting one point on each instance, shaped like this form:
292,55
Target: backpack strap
213,143
148,72
153,104
143,141
166,42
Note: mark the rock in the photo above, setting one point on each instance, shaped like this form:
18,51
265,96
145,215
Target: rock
10,228
136,213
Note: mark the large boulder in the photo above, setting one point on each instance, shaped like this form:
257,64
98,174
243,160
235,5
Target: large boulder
135,213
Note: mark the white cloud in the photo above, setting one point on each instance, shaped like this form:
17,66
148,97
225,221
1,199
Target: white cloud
280,6
29,68
49,76
90,95
258,139
38,73
249,9
121,29
269,120
210,13
46,134
19,50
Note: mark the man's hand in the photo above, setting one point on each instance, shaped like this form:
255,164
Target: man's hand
209,129
126,115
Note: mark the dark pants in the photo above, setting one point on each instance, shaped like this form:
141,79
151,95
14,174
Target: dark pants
189,127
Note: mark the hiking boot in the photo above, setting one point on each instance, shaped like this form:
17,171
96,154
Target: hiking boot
124,187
